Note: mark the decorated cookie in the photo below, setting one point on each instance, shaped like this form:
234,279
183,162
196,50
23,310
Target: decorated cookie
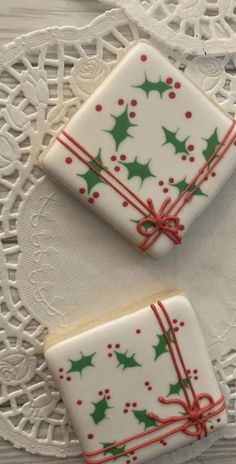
138,386
147,151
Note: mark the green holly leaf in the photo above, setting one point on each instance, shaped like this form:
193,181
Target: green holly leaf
212,142
115,450
81,364
178,145
146,226
148,86
182,185
175,388
162,346
143,418
90,176
137,169
120,130
100,409
125,360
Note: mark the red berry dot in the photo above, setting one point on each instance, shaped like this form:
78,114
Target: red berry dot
109,346
138,331
107,390
90,436
108,397
133,102
172,95
117,345
195,371
161,441
169,80
213,174
184,157
135,458
181,324
219,419
120,101
149,388
146,383
117,168
188,371
113,158
165,190
128,461
176,329
68,160
171,180
195,377
132,114
125,411
134,405
177,85
131,452
127,405
100,393
190,147
79,402
95,194
191,159
109,355
125,204
143,57
164,443
61,377
181,227
98,107
82,190
91,200
61,369
175,321
161,182
212,427
68,379
123,157
188,114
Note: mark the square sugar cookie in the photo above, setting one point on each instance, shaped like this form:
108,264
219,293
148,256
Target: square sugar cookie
138,386
147,152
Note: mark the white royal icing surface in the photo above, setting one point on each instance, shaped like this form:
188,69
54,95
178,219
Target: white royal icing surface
112,375
175,128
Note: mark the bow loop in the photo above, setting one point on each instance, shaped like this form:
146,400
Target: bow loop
195,415
158,222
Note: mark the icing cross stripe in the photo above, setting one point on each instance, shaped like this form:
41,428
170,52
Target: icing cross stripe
164,220
197,408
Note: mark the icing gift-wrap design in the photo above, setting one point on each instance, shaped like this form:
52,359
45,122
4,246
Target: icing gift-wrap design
147,151
139,386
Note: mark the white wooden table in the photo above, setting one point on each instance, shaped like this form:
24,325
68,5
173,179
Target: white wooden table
19,17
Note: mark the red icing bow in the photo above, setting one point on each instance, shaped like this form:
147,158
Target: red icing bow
162,223
195,415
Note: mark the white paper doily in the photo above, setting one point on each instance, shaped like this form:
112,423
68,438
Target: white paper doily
57,261
192,26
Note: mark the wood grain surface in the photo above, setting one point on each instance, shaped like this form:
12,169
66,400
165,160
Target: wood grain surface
20,17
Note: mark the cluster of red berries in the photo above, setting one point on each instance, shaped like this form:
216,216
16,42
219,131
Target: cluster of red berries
129,405
148,385
105,392
163,442
61,376
110,347
178,325
134,458
193,373
92,198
